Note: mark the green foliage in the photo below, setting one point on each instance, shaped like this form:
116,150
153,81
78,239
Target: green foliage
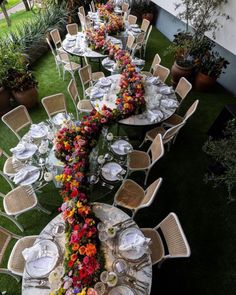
223,153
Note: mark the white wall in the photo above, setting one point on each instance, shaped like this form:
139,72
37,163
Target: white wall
226,37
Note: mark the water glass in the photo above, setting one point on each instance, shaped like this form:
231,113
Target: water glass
100,288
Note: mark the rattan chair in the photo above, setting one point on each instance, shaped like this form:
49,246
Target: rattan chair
174,237
92,7
125,7
54,104
56,57
147,36
168,135
130,43
132,19
67,64
145,25
82,10
161,72
183,88
132,196
17,119
84,105
18,201
8,164
156,61
176,119
56,38
16,261
94,76
144,161
72,29
86,80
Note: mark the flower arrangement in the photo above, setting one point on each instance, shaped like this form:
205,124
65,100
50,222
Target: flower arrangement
96,38
84,260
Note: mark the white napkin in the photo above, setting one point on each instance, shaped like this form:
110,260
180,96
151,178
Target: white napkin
108,62
78,50
19,149
37,130
154,115
104,81
32,253
166,90
123,147
169,103
152,80
112,170
153,101
133,241
24,173
97,93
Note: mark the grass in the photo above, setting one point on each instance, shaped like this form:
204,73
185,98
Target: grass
16,20
11,3
207,219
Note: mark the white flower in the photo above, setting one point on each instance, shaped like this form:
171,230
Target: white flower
110,136
101,159
48,176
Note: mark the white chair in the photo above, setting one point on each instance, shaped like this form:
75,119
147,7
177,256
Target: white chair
56,38
68,65
183,88
156,61
132,19
161,72
72,29
92,7
145,25
94,76
174,238
83,105
54,104
86,80
130,43
16,261
147,36
56,57
125,7
144,161
132,196
17,119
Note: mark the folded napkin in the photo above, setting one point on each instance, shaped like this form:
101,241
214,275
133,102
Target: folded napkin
104,81
19,149
133,241
108,62
154,115
32,253
153,101
169,103
24,174
38,130
78,50
97,93
123,147
112,170
138,61
166,90
152,80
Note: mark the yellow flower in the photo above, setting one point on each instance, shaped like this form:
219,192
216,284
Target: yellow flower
83,292
79,204
58,177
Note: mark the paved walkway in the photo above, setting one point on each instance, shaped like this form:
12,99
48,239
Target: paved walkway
13,9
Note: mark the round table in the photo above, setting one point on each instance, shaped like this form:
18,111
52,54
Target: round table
159,106
108,214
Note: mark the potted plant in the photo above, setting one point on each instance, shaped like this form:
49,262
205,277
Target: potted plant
222,153
23,87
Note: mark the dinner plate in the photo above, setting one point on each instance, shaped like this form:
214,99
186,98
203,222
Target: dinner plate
134,253
30,175
29,151
60,118
110,170
46,261
122,290
117,147
134,26
136,30
105,82
38,131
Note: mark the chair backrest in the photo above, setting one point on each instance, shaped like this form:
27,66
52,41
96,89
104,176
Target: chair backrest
172,132
64,57
191,110
72,29
54,104
17,119
50,46
145,25
174,236
151,191
92,6
56,37
85,77
183,87
125,7
130,42
156,61
82,21
161,72
5,238
81,10
132,19
156,149
140,38
74,94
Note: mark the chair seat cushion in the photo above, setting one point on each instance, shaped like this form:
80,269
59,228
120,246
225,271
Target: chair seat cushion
138,160
97,75
173,120
85,105
16,262
8,167
151,134
71,66
146,73
18,201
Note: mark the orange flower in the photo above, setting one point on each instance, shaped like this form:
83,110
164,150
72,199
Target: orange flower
73,257
82,250
90,250
70,263
75,247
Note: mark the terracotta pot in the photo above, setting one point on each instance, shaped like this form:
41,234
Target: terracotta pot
5,105
149,16
204,82
178,71
29,98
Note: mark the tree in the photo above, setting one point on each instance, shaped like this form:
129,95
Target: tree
4,11
27,7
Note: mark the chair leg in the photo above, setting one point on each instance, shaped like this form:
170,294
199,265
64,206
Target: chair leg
13,220
145,139
41,208
7,179
160,263
146,176
8,272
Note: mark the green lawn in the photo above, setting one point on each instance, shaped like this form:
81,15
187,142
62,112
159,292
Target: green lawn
11,3
207,219
16,19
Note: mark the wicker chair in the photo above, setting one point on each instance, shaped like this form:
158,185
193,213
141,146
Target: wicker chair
92,6
132,196
168,135
72,29
7,163
130,43
156,61
54,104
56,57
84,105
183,88
56,38
174,236
161,72
18,201
17,119
96,75
82,10
176,119
16,262
67,64
146,40
141,161
86,80
145,25
125,7
132,19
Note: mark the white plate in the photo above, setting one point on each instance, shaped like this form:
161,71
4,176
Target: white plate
60,118
32,174
121,290
132,254
42,266
105,82
27,153
136,30
134,26
38,131
113,167
117,147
